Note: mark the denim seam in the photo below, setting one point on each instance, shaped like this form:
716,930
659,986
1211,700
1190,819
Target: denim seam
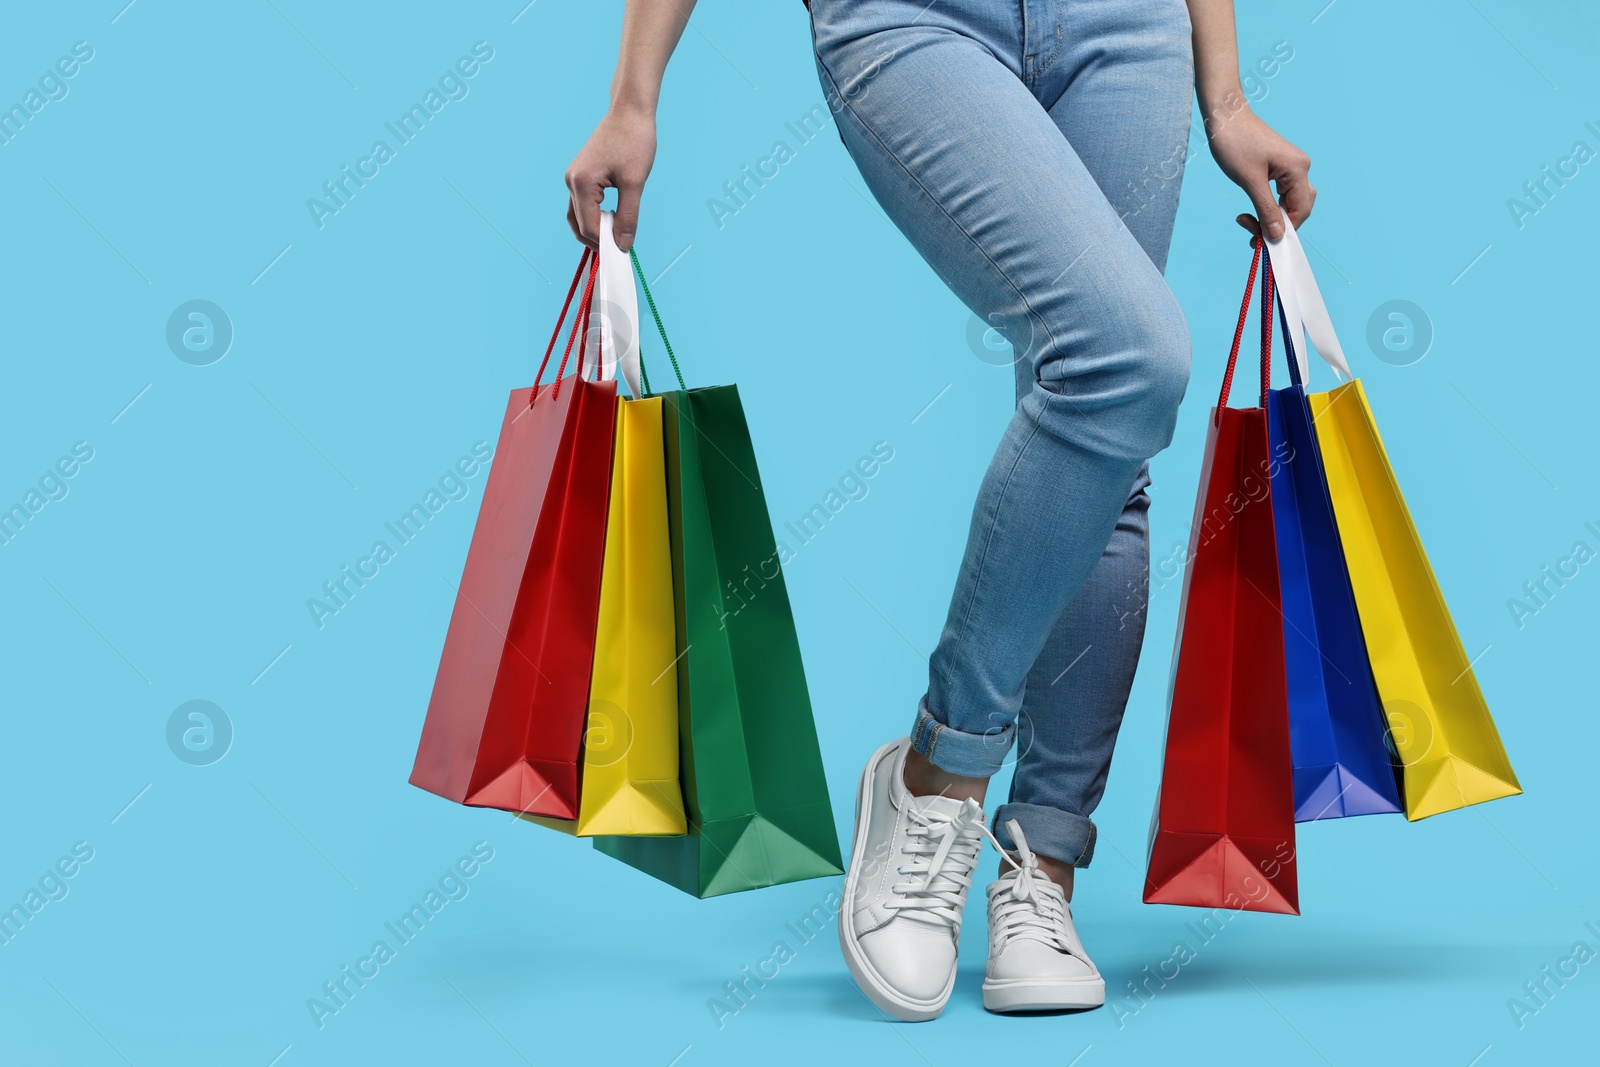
1000,271
1091,832
983,558
1049,60
1087,841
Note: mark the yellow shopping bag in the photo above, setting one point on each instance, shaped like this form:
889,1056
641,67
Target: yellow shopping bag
630,748
1447,742
1448,745
630,758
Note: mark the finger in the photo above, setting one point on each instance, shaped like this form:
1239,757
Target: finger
1250,224
1267,213
1297,196
587,192
572,221
1291,174
626,224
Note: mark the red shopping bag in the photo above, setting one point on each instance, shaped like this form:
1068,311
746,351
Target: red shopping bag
1223,832
505,724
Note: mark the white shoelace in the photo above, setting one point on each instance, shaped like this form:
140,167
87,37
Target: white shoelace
1031,907
937,860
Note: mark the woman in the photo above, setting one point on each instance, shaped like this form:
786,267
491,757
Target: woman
1031,150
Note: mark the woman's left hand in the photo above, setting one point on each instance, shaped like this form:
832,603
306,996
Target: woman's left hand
1254,155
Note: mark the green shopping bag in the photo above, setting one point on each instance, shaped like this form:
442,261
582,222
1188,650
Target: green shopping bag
751,769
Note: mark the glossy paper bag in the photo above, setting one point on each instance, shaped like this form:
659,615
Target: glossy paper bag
1448,745
506,719
1450,751
752,772
1223,831
1342,762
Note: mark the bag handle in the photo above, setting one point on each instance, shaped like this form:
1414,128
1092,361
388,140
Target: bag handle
1291,354
1257,261
1305,314
639,271
580,324
1238,334
580,330
619,313
1268,291
583,262
595,341
1239,331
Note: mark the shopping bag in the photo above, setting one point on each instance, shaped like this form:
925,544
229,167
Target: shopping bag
505,722
752,774
1343,764
630,747
629,770
1223,831
1446,740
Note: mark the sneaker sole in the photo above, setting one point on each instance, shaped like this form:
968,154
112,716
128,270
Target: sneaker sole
1018,994
876,989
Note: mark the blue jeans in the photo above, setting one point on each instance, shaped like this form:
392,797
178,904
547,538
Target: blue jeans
1032,151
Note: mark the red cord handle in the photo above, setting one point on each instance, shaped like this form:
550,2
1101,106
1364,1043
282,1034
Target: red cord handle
583,261
580,327
1268,292
1238,332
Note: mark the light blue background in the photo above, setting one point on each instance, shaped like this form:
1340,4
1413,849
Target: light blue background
377,350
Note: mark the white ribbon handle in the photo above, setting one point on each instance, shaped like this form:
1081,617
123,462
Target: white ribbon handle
1303,308
615,307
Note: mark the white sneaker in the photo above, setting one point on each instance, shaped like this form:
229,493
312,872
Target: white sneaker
1036,962
910,868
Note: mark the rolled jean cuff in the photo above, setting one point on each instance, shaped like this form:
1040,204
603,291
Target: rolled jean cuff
955,752
1061,835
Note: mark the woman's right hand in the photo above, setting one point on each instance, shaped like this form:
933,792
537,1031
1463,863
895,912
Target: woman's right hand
618,155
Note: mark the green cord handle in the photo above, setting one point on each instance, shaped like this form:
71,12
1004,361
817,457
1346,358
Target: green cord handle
639,271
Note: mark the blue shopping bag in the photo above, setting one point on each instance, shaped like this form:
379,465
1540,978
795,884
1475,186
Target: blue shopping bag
1343,761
